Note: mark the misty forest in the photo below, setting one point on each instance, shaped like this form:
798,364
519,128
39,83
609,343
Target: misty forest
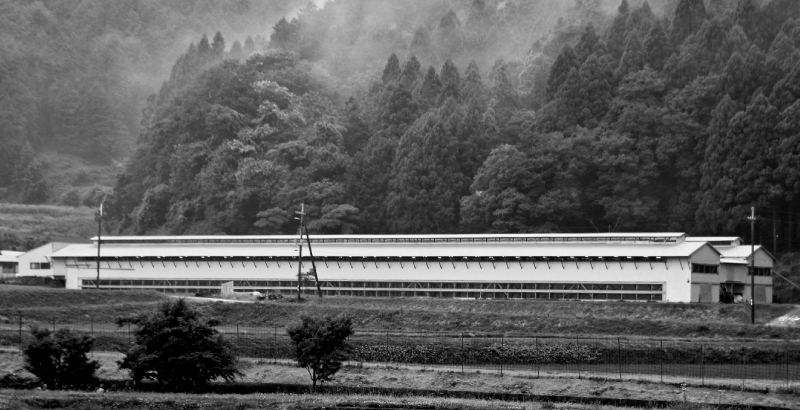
480,116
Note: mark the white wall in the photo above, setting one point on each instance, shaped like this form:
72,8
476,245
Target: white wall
674,275
37,255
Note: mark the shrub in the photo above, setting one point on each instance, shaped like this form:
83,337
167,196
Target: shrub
71,198
59,359
175,347
320,345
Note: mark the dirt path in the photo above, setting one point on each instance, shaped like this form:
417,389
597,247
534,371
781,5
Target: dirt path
791,319
260,371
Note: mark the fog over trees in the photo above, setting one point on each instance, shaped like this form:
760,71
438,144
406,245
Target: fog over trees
443,117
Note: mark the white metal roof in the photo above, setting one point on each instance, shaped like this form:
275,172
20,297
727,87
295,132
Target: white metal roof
552,237
684,249
10,256
742,251
715,239
733,261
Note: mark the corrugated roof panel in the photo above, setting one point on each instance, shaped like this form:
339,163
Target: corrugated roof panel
684,249
635,236
742,251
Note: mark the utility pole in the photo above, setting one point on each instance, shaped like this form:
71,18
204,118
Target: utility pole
313,265
99,232
752,219
300,250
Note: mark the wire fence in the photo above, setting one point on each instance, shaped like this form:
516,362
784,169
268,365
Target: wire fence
745,364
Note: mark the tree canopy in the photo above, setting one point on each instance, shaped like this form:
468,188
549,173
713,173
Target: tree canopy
179,349
664,116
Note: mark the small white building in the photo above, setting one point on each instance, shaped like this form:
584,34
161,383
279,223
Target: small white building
610,266
9,263
734,281
36,262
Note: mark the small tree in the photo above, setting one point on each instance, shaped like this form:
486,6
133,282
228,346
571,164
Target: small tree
178,349
320,345
59,360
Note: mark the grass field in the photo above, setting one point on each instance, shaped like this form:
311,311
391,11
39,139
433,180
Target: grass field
42,305
259,372
662,320
519,317
89,401
41,222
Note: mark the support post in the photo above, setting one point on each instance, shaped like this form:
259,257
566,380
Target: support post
786,357
619,358
300,254
20,331
702,365
502,352
661,362
463,358
99,233
578,351
314,265
537,358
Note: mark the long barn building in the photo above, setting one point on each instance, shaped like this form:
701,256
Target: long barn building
615,266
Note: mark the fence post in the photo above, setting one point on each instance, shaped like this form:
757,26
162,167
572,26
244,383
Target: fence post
238,340
786,356
619,358
702,365
661,362
129,332
538,355
744,371
91,326
20,331
462,355
54,324
387,349
578,351
502,352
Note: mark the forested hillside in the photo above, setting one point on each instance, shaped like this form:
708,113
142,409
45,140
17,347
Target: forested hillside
75,75
476,119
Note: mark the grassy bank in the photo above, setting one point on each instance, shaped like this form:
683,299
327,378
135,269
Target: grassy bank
27,226
538,392
41,305
660,320
88,401
520,317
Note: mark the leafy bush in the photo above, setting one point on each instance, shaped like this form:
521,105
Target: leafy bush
59,360
178,349
320,345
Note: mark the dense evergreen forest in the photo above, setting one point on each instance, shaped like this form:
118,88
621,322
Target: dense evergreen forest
75,75
435,116
463,121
